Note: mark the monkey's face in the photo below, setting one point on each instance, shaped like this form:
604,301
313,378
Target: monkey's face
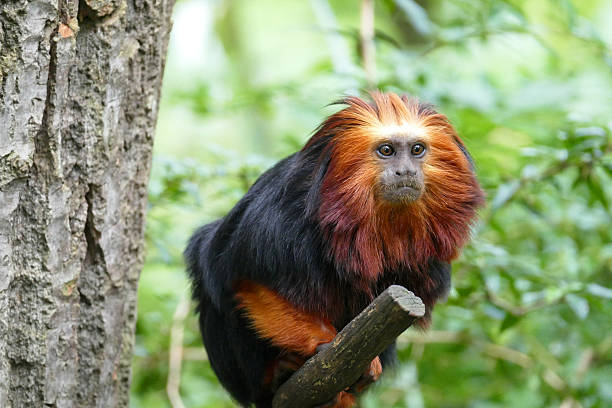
395,153
400,159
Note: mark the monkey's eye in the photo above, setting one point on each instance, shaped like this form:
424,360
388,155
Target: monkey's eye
386,150
418,149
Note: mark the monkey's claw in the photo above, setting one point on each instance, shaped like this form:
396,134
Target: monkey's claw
371,374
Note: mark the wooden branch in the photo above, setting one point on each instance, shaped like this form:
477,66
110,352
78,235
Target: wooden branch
366,36
176,353
342,363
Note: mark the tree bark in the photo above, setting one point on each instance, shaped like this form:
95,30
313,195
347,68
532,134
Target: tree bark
79,91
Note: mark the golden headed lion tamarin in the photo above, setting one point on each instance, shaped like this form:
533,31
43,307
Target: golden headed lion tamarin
383,193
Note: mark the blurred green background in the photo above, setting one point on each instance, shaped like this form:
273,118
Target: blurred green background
528,85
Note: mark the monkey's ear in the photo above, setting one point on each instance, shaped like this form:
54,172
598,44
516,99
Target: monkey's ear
313,197
465,152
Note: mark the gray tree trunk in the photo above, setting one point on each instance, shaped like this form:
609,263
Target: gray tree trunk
79,91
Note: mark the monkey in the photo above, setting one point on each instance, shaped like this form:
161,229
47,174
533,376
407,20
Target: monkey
384,192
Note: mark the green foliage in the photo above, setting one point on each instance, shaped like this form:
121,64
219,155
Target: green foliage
527,85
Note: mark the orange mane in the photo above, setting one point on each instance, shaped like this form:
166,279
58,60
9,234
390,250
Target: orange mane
368,235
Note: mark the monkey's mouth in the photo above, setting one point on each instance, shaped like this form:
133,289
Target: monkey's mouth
402,192
407,187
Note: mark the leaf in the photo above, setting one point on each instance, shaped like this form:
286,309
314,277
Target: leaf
536,151
416,15
494,312
579,305
530,171
464,292
509,321
505,192
590,131
598,290
562,154
597,192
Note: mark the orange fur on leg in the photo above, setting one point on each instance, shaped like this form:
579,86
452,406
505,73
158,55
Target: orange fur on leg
276,319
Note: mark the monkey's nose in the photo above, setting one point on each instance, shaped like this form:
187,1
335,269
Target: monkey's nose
405,172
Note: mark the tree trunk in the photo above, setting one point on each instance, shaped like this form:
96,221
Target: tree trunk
79,91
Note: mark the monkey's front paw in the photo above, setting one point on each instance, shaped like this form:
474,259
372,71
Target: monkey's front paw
371,374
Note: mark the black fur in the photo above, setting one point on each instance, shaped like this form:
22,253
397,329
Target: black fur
272,237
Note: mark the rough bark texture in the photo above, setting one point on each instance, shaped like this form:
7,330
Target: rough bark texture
342,363
79,89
